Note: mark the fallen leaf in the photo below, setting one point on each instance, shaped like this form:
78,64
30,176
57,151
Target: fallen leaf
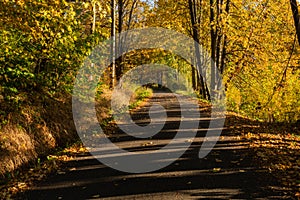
216,169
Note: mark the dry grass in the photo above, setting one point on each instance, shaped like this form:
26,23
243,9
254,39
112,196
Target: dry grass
103,105
17,148
40,125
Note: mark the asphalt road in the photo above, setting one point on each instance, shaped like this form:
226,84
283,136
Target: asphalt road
229,171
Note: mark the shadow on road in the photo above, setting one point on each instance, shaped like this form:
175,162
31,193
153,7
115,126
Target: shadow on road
228,172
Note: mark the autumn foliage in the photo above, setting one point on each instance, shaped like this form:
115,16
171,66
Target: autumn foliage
43,44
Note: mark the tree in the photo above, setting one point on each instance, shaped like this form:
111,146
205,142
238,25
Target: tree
195,21
123,13
295,12
113,46
45,44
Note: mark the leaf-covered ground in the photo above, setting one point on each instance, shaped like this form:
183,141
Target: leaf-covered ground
276,147
20,181
279,152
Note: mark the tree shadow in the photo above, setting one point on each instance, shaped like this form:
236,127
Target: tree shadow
229,171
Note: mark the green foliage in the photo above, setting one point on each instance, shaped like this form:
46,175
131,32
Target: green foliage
139,96
42,45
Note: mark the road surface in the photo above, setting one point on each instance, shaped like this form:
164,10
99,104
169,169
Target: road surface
228,172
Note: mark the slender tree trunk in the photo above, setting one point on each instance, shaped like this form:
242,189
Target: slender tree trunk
213,38
94,18
113,45
295,11
122,13
224,47
119,65
218,35
193,71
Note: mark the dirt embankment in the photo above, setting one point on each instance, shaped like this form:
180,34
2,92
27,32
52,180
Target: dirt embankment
37,127
33,130
42,124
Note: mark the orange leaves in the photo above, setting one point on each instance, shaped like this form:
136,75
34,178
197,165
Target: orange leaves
280,152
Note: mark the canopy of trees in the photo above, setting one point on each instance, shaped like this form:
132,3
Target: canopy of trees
253,43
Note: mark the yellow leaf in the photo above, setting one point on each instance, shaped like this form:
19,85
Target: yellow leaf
86,5
216,169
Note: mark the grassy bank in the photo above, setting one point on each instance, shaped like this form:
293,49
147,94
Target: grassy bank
34,129
35,137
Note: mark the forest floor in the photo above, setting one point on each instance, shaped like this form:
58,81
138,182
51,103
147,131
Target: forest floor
251,160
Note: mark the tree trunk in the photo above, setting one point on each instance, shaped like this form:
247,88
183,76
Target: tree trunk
213,38
119,65
192,8
122,13
224,48
113,45
94,18
193,71
295,11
